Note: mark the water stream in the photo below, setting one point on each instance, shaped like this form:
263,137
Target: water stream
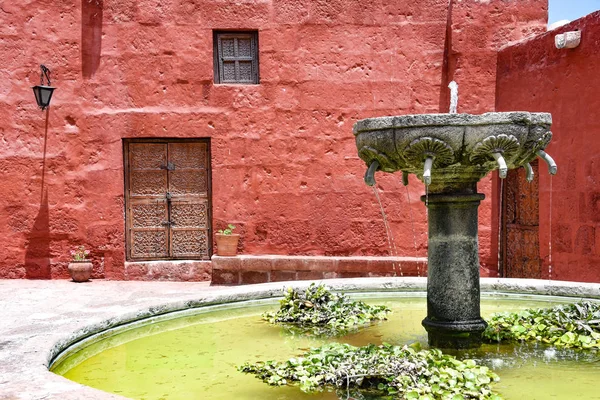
414,232
453,97
550,236
388,231
500,216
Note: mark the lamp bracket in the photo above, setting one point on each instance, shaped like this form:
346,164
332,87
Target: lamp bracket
45,71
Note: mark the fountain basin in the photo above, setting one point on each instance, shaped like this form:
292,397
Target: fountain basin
385,287
461,145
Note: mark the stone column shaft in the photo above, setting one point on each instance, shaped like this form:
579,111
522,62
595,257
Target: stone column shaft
453,312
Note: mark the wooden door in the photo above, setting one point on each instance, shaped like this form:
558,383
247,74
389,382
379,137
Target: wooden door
520,247
167,186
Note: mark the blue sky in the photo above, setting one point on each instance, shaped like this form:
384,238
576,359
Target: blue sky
570,9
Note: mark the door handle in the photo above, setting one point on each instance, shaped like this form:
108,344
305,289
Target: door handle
169,166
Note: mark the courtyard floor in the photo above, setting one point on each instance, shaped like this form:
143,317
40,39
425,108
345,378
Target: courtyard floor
38,314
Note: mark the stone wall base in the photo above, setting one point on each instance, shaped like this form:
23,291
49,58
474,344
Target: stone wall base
246,269
188,270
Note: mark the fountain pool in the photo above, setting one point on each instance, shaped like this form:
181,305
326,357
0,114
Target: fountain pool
195,354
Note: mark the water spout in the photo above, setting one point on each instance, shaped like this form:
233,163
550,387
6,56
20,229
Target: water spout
552,168
530,173
370,174
453,97
427,171
502,168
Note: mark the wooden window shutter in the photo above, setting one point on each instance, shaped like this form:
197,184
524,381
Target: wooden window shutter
236,57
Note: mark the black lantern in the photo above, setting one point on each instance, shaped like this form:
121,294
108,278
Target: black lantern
43,93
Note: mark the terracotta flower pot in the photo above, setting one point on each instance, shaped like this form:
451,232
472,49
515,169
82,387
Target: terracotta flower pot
227,244
80,270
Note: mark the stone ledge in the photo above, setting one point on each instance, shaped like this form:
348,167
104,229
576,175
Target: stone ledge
168,270
249,269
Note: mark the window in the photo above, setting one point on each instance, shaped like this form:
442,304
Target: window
236,57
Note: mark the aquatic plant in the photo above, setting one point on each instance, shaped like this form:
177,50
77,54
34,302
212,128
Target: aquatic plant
318,311
574,325
400,372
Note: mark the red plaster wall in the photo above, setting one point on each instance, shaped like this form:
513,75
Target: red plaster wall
285,168
478,30
534,75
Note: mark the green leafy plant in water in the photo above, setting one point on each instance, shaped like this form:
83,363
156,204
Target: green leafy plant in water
572,326
396,372
227,231
317,311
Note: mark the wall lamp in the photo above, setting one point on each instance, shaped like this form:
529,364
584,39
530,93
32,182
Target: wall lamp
43,93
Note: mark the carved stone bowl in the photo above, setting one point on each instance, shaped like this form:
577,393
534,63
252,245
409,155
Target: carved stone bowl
462,148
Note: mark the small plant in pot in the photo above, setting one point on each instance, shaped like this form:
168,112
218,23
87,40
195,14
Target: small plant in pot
80,266
227,241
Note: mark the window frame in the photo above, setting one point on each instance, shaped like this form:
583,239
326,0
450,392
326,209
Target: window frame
218,59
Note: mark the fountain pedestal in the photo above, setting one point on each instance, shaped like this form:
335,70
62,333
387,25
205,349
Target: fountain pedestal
453,314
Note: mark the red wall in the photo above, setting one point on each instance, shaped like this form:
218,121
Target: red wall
285,168
534,75
477,30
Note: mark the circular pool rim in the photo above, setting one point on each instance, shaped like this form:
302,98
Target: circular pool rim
409,286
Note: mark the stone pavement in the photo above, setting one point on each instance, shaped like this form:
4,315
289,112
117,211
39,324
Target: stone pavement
38,314
40,318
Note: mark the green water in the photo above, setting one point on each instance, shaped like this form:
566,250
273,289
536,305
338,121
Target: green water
196,357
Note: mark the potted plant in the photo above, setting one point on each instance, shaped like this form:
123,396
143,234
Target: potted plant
80,266
227,241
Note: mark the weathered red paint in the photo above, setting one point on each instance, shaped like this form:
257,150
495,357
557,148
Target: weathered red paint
536,76
285,168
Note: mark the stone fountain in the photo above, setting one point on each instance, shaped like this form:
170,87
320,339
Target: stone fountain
450,153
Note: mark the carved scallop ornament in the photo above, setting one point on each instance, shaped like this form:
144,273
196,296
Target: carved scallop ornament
369,154
426,147
506,145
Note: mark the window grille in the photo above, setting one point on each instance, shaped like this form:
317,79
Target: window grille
236,57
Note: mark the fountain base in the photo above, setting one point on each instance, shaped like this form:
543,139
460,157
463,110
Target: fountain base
454,334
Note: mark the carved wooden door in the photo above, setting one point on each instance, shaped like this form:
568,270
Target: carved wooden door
167,199
520,247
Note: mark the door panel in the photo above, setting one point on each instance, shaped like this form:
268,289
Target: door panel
149,244
189,234
148,236
520,226
168,208
147,178
189,243
188,186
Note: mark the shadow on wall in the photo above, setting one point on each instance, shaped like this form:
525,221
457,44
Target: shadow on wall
37,256
91,36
